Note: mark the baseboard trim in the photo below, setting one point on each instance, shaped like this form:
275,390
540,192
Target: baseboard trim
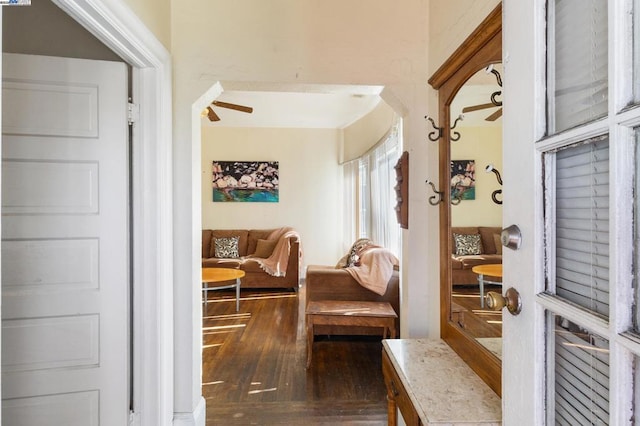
196,418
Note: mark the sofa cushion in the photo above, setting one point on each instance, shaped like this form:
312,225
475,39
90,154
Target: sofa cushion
226,247
461,230
212,262
254,235
486,233
206,243
264,248
226,233
467,244
469,262
251,266
498,243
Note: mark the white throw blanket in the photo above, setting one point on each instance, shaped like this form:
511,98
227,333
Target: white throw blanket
375,270
277,263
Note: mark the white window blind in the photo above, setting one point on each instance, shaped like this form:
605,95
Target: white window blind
582,224
578,64
581,385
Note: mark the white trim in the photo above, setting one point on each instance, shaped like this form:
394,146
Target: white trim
192,419
113,22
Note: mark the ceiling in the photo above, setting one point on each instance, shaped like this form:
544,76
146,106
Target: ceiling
277,109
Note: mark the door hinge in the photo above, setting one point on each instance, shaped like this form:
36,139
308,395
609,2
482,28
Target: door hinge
133,112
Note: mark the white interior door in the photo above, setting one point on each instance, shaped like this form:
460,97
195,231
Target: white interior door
571,184
65,244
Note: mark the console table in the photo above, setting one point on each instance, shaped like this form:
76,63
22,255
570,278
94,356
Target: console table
431,385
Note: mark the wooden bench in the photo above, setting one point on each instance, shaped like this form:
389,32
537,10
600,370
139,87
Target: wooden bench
349,313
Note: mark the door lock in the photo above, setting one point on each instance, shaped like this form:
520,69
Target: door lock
511,237
511,299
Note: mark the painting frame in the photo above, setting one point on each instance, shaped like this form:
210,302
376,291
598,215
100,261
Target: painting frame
246,181
463,179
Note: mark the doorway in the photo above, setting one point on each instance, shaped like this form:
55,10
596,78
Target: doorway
152,243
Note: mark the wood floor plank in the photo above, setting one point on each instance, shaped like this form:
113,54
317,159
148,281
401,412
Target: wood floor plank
254,366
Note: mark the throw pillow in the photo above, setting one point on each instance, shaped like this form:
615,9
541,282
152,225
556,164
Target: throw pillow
498,243
353,258
264,248
226,248
467,244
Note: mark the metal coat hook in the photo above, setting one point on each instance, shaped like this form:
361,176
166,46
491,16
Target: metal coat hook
434,200
455,136
494,195
437,133
495,72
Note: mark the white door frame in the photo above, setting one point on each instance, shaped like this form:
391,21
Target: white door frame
113,23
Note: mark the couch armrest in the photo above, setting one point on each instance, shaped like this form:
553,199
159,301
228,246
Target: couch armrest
293,265
329,283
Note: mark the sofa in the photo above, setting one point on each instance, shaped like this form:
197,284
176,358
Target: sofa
490,251
335,283
251,241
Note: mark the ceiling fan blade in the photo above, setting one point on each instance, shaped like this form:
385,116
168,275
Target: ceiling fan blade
477,107
212,115
233,106
494,116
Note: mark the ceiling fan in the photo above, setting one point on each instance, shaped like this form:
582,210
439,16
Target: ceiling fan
494,102
212,116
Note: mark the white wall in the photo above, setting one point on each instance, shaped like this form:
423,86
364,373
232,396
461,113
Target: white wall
484,145
310,185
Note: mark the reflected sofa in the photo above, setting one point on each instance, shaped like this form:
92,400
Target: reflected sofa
491,252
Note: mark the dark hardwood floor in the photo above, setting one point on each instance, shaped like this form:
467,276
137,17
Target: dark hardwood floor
254,373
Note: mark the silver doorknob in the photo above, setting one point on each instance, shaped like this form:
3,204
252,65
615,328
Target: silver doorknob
511,299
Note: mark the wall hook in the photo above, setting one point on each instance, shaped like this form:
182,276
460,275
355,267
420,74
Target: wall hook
455,136
434,200
494,195
437,133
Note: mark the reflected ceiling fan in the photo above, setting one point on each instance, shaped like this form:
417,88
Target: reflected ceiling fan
212,116
494,102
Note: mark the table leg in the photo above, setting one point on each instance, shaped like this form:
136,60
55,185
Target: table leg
481,283
237,294
206,294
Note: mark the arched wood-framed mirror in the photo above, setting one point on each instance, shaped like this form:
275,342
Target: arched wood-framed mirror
480,50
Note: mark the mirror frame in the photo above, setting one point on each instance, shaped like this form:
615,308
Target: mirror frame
481,48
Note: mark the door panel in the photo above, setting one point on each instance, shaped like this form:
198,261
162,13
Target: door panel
65,245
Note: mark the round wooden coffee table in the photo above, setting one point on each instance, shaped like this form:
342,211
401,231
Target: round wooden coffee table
220,275
492,270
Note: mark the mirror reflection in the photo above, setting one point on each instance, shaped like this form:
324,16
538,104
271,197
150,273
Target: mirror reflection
476,205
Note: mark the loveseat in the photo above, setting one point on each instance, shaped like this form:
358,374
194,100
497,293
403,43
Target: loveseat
253,247
490,251
335,283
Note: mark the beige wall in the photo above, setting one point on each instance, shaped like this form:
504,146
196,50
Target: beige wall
310,185
156,15
484,145
365,133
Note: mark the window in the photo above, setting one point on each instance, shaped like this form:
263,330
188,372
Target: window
376,198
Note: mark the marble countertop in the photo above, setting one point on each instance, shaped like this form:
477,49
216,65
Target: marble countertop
442,388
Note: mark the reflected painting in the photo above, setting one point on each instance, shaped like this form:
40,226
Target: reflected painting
463,179
245,181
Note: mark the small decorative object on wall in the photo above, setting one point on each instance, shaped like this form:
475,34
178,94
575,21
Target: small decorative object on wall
463,179
402,190
246,181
